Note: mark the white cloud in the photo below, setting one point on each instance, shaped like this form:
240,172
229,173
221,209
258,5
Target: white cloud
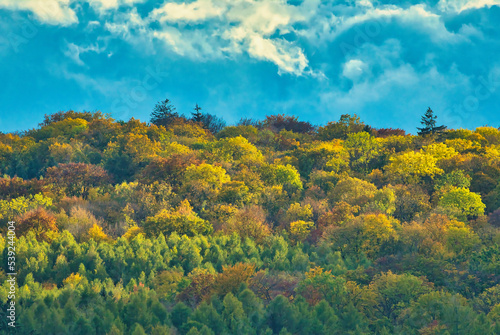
287,57
74,51
265,17
194,11
104,6
330,23
268,30
91,25
233,27
131,27
192,44
226,28
56,12
354,69
462,5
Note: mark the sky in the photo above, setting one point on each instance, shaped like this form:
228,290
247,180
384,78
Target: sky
386,61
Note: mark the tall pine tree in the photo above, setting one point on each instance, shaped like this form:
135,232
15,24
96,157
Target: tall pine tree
197,116
164,114
429,123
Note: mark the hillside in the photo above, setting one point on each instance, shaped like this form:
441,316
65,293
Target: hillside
189,226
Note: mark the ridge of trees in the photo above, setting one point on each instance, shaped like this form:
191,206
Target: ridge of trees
264,227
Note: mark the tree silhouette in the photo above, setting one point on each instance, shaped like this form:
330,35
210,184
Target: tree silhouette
208,121
213,123
429,123
197,115
164,114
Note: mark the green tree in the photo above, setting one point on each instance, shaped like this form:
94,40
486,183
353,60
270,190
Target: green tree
455,178
363,150
164,114
180,314
281,314
467,203
443,312
207,315
394,293
197,116
429,124
346,125
286,175
137,329
234,315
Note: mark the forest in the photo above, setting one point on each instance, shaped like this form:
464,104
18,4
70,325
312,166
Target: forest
185,225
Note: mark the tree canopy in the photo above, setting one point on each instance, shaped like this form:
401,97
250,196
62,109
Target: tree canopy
266,227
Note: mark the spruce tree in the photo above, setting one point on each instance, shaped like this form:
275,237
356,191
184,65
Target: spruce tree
164,113
429,123
197,115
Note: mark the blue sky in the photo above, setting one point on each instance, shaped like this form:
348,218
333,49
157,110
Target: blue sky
386,61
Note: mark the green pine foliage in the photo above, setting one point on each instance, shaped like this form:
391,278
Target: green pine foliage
429,124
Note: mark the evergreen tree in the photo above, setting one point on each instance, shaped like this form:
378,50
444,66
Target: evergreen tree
208,121
429,123
164,113
138,330
197,115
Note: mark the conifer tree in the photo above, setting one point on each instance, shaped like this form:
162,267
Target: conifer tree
197,115
429,123
164,113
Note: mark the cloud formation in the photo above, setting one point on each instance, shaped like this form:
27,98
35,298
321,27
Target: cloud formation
231,28
463,5
55,12
266,30
301,57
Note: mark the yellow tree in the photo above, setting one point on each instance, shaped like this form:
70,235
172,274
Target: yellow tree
378,229
182,220
97,234
236,150
491,134
232,277
439,151
248,222
354,191
367,234
320,155
299,230
298,212
411,167
363,149
203,182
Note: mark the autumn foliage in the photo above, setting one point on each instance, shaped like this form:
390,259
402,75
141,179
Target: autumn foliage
187,226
